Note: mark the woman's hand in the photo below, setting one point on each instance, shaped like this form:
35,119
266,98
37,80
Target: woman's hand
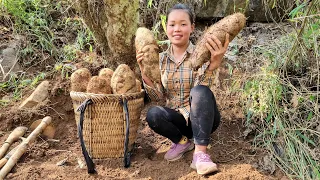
217,51
139,57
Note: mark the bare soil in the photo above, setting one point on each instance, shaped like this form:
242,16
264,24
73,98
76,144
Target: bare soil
228,148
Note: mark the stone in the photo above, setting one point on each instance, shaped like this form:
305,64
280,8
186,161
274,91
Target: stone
38,96
255,10
8,59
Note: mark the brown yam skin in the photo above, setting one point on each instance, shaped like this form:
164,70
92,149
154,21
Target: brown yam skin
98,85
138,85
80,79
146,43
123,80
144,37
231,24
107,74
151,62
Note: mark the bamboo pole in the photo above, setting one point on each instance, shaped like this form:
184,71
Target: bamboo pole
4,160
22,148
14,136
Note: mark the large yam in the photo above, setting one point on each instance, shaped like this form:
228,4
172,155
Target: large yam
106,73
98,85
123,80
146,43
231,24
80,79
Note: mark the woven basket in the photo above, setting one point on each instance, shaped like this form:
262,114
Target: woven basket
105,124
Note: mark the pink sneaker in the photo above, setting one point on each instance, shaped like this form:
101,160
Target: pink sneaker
177,150
203,164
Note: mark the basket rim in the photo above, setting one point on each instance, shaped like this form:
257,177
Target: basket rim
84,95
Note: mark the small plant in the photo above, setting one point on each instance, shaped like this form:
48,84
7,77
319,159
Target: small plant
19,83
65,70
70,53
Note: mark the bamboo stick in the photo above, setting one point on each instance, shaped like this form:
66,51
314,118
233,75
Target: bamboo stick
4,160
22,148
14,136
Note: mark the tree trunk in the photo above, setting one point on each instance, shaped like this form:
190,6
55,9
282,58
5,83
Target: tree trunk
113,23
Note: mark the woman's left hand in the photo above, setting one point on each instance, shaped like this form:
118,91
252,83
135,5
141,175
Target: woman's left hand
217,51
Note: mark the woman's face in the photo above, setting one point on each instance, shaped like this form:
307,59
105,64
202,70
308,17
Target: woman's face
179,27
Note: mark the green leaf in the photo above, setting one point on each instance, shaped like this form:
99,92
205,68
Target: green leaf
163,22
230,68
310,115
312,98
249,115
149,3
305,138
296,10
269,117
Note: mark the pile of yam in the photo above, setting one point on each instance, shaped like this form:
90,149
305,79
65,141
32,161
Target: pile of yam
231,24
120,81
147,44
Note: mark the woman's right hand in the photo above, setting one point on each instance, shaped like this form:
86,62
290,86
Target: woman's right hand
140,57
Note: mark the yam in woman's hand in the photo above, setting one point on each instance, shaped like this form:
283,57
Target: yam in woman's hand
231,25
147,54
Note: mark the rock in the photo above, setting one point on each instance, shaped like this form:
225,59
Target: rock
62,162
6,98
8,59
255,9
267,164
38,96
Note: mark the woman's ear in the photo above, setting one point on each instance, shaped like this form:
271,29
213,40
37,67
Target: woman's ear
192,27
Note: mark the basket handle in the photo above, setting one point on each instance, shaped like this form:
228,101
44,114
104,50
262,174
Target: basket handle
127,153
85,153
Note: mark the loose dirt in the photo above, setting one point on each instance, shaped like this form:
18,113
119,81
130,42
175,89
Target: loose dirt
228,148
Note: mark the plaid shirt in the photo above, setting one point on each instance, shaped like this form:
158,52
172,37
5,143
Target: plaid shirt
177,81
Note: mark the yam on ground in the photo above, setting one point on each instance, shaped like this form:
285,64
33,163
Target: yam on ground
231,24
147,44
98,85
123,80
80,79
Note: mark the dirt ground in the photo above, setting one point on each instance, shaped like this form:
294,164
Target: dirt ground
228,148
233,152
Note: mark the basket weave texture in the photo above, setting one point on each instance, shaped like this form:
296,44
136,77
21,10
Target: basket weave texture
104,123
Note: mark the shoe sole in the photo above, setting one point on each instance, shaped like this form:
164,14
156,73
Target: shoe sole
207,171
181,155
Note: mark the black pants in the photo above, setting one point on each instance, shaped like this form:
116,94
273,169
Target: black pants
204,118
